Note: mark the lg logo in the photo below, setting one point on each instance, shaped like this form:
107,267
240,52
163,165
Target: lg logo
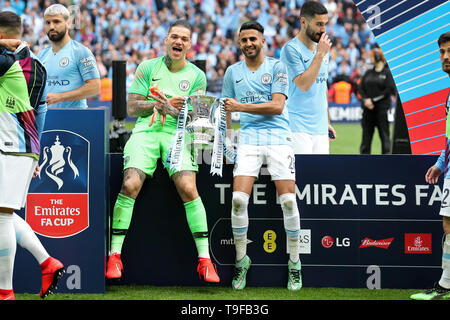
328,242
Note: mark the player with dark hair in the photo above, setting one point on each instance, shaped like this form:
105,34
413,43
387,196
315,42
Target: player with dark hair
257,87
72,69
177,78
306,57
441,289
22,115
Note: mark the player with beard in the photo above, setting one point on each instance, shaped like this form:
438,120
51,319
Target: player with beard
441,289
72,69
151,140
306,57
257,87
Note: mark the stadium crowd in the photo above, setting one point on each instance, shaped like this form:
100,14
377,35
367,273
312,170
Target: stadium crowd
133,30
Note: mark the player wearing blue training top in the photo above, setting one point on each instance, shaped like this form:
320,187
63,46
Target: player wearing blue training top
257,88
72,70
441,289
306,57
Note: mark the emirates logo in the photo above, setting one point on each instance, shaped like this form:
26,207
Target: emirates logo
418,243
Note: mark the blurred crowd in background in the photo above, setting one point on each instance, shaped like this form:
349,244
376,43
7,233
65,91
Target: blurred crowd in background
134,30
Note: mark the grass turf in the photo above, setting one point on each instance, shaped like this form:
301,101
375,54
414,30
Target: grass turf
122,292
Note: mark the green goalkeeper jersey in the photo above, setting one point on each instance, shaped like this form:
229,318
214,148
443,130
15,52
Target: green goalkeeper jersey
191,80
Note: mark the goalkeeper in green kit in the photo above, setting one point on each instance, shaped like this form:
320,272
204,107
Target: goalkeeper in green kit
152,138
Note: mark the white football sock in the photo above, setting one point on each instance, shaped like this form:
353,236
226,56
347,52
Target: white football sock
7,250
28,240
445,278
239,223
291,218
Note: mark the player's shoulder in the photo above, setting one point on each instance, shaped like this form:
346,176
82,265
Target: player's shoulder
150,62
79,50
42,53
194,67
274,64
293,46
236,67
196,70
272,60
74,44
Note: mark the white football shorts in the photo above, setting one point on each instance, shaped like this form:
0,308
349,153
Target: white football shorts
15,177
280,160
445,203
305,143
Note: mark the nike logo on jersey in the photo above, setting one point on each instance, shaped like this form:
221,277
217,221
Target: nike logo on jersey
306,61
237,81
157,79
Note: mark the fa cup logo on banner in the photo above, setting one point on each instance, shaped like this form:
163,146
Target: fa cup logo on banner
55,165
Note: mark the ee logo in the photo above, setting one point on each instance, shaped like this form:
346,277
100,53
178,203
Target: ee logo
269,241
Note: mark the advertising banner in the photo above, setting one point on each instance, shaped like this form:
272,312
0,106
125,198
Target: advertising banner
66,203
367,221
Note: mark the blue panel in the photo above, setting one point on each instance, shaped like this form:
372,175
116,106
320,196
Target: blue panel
83,135
420,20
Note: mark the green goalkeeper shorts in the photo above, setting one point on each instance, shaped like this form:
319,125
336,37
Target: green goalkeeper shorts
144,148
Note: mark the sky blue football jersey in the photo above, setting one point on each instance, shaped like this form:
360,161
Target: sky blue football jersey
308,111
68,70
255,87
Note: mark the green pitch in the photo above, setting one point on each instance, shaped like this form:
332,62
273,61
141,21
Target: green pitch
119,292
349,137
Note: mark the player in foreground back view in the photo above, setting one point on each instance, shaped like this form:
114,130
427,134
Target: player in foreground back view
441,289
151,140
22,87
260,86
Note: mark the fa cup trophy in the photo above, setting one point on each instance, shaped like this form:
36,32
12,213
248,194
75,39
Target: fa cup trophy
207,125
203,119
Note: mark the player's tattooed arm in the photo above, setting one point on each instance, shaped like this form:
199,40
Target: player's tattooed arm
139,106
165,107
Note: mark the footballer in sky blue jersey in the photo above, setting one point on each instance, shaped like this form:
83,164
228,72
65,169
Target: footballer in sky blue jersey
308,110
254,87
441,288
306,57
72,69
257,88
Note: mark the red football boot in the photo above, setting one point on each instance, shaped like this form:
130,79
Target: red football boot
114,267
7,294
52,271
207,270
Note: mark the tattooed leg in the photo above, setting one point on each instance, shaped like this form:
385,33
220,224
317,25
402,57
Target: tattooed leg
133,179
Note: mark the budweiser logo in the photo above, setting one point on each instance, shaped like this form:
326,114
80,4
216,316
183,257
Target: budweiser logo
383,243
